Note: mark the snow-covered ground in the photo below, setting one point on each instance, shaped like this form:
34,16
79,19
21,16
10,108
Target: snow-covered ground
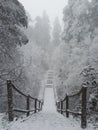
49,105
48,119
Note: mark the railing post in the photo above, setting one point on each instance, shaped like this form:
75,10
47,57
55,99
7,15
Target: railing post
39,106
28,105
67,105
57,106
10,100
35,105
61,107
83,116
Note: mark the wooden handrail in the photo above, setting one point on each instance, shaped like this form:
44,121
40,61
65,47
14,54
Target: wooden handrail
76,94
24,111
72,112
75,113
19,91
37,105
73,95
83,93
24,94
62,100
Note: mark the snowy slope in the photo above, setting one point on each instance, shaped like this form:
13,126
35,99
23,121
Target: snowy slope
49,105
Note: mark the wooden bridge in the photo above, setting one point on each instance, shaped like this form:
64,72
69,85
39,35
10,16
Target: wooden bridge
61,106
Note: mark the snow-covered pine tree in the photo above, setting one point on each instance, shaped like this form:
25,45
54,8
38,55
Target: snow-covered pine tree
56,32
12,18
80,49
42,31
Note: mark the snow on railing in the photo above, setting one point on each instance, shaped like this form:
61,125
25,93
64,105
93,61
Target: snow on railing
37,103
83,113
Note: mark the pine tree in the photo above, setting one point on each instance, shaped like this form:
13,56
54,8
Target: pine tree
12,18
56,32
46,28
42,31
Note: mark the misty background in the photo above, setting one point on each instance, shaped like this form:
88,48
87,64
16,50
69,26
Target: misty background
49,35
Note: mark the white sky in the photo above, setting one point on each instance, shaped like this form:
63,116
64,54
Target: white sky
53,7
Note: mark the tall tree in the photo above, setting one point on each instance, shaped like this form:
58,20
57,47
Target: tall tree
12,18
94,12
76,21
56,32
42,31
81,42
46,28
38,31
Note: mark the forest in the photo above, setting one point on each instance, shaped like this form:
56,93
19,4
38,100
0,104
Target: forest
29,48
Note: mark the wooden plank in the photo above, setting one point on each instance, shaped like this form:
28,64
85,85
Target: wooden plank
72,112
21,110
75,113
24,111
61,110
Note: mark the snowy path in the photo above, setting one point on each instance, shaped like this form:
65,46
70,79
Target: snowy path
48,119
49,103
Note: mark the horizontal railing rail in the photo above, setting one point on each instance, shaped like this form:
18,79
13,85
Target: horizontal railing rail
37,103
76,93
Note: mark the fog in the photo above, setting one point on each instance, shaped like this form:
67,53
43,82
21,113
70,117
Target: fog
40,51
53,7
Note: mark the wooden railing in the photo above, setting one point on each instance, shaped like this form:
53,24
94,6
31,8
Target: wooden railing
37,103
82,113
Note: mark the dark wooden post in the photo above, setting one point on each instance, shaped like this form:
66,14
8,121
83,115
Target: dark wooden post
61,107
35,105
42,105
83,116
57,106
67,106
10,100
28,105
39,105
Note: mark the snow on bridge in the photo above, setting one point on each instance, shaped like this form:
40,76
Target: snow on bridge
48,119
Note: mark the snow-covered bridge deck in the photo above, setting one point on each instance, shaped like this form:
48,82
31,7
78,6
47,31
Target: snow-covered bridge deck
48,119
